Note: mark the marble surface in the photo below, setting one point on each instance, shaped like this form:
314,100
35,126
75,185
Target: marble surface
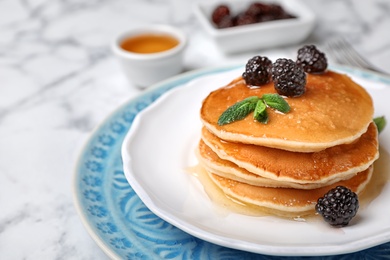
59,80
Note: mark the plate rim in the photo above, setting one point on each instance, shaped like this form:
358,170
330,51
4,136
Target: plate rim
175,81
170,83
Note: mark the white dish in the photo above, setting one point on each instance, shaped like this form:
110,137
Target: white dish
160,147
146,69
260,35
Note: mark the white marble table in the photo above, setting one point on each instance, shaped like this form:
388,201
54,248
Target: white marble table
59,80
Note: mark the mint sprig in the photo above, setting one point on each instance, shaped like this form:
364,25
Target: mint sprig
380,123
260,113
255,104
238,111
277,102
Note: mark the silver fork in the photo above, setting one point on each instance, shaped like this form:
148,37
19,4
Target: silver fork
343,52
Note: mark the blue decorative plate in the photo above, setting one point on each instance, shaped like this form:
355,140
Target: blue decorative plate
118,220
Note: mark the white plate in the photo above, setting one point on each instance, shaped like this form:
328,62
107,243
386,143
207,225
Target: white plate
160,147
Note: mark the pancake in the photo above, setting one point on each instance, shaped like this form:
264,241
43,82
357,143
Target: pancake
328,166
334,110
210,161
288,200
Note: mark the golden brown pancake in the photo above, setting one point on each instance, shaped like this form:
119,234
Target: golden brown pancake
334,110
286,199
210,161
328,166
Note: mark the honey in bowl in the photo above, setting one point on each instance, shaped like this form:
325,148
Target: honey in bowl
149,43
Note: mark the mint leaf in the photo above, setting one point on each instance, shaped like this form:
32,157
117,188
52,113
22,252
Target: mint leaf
277,102
380,123
238,111
259,105
260,113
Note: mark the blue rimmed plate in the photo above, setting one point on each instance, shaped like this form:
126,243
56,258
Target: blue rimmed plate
115,216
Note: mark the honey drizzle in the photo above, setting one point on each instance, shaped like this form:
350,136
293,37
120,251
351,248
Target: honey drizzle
380,178
225,204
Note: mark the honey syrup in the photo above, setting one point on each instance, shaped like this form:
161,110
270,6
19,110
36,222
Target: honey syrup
149,43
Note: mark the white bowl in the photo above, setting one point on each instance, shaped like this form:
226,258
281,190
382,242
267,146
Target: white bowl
144,70
260,35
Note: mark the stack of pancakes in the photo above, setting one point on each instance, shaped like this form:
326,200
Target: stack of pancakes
327,139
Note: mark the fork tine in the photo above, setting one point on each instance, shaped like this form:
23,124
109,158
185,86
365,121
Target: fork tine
343,52
332,48
337,50
353,55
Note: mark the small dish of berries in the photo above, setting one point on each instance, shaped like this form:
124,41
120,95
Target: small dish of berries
239,26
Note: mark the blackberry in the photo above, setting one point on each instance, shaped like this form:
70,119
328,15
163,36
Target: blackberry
243,19
338,206
257,9
226,22
267,12
257,71
311,59
289,78
219,13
